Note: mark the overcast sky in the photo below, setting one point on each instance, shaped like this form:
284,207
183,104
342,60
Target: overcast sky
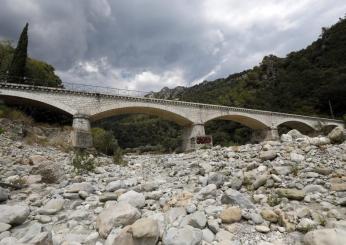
149,44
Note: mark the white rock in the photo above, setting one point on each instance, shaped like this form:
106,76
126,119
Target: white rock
52,206
182,236
119,215
14,215
134,198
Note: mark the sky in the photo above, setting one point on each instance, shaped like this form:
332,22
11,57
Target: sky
150,44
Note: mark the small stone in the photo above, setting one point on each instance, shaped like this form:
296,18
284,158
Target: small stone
230,215
197,220
108,196
43,219
234,197
297,158
306,225
223,235
260,181
77,187
115,185
52,206
267,155
216,178
4,194
269,215
293,194
213,225
4,227
262,228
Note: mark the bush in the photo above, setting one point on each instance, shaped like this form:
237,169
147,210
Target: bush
14,114
2,130
83,162
105,142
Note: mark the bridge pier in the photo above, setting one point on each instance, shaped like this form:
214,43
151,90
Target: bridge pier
266,134
194,137
81,134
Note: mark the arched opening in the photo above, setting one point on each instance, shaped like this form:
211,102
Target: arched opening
233,129
300,126
41,112
143,129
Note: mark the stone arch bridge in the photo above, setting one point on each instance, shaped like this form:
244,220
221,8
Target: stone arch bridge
86,105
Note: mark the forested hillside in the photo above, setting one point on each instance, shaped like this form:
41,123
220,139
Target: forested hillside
35,69
304,82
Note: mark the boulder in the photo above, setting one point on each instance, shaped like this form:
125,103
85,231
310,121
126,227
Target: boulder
145,231
52,206
325,237
182,236
14,215
114,216
337,135
295,134
134,198
32,233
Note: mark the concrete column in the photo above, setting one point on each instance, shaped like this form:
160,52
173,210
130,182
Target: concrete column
194,137
266,134
81,135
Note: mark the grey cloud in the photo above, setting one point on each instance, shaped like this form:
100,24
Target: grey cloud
148,44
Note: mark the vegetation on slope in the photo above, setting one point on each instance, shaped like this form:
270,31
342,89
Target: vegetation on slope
305,82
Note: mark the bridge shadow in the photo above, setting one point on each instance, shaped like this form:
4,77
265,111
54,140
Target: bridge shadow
39,111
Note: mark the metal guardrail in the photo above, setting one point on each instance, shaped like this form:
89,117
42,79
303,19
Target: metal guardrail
75,87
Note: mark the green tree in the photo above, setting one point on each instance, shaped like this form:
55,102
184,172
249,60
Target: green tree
18,64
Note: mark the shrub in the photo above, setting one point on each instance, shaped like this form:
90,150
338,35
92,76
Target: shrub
14,114
2,130
105,142
82,162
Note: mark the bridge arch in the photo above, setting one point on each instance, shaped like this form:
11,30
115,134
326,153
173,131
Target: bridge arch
163,113
248,121
37,99
302,126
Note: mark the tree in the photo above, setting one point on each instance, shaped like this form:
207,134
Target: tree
18,64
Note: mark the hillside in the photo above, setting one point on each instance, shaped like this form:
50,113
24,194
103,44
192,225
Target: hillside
303,82
35,69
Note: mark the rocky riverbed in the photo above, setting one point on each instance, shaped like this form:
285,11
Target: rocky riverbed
288,192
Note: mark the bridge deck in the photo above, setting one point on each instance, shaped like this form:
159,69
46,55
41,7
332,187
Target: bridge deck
87,90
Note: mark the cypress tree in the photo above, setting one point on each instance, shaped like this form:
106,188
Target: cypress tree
18,64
